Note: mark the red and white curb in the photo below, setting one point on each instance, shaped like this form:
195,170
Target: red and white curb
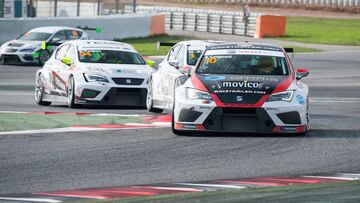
174,188
151,121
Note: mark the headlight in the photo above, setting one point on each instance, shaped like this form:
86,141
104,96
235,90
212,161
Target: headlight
282,96
197,94
94,78
28,49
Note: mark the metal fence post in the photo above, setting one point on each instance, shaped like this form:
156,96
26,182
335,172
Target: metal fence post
207,22
171,20
55,8
183,21
196,22
233,25
117,7
134,6
2,8
78,8
98,7
220,23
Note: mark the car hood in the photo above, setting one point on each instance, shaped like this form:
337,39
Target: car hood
22,44
118,70
239,88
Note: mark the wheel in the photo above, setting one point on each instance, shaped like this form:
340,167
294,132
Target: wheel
149,100
39,91
71,93
44,55
2,62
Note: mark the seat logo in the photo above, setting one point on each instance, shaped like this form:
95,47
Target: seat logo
128,81
239,98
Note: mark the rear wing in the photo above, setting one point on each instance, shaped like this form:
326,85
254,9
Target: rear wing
289,50
96,29
164,44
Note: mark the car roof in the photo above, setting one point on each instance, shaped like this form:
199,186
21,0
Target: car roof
199,42
100,44
246,45
52,29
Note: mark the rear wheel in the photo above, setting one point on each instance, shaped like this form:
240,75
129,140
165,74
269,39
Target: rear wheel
44,55
71,93
39,91
150,101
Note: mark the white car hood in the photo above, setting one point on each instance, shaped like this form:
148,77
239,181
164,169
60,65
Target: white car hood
118,70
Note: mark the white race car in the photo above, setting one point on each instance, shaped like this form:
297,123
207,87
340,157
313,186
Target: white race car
242,87
93,72
24,48
174,70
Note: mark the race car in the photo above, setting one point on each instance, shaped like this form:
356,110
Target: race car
245,88
93,72
26,48
174,70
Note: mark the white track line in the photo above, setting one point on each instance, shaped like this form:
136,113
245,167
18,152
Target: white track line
213,185
331,177
30,199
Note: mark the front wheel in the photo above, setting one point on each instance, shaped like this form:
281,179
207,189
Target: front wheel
39,91
150,101
71,93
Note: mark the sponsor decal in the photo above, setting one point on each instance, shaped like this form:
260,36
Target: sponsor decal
300,99
189,126
239,98
241,84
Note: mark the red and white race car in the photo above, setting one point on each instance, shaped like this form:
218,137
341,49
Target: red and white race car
242,87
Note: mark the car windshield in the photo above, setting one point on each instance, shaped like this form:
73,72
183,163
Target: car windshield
35,36
110,56
243,65
193,56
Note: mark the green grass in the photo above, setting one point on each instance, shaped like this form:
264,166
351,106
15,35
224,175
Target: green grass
323,31
147,46
334,192
16,121
304,50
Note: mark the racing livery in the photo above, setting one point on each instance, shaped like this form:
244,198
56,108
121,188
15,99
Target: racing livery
174,70
242,87
93,72
26,49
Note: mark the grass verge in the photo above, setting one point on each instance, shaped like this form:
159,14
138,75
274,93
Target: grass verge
323,30
334,192
20,121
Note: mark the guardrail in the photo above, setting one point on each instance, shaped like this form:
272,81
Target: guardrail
226,22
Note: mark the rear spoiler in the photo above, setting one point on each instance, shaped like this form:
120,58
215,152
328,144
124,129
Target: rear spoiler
290,50
164,44
96,29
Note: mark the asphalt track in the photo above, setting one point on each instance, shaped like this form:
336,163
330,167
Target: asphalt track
55,161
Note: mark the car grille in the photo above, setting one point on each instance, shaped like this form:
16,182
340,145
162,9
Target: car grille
128,81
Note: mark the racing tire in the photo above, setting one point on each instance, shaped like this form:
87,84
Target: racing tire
71,93
44,55
2,61
39,91
149,101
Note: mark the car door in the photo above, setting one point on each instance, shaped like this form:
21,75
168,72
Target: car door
159,78
174,73
65,70
58,80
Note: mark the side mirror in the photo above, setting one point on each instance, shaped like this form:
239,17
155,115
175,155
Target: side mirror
186,70
301,72
150,63
66,61
174,63
55,39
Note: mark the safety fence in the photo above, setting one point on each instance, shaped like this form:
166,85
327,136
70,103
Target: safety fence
215,21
